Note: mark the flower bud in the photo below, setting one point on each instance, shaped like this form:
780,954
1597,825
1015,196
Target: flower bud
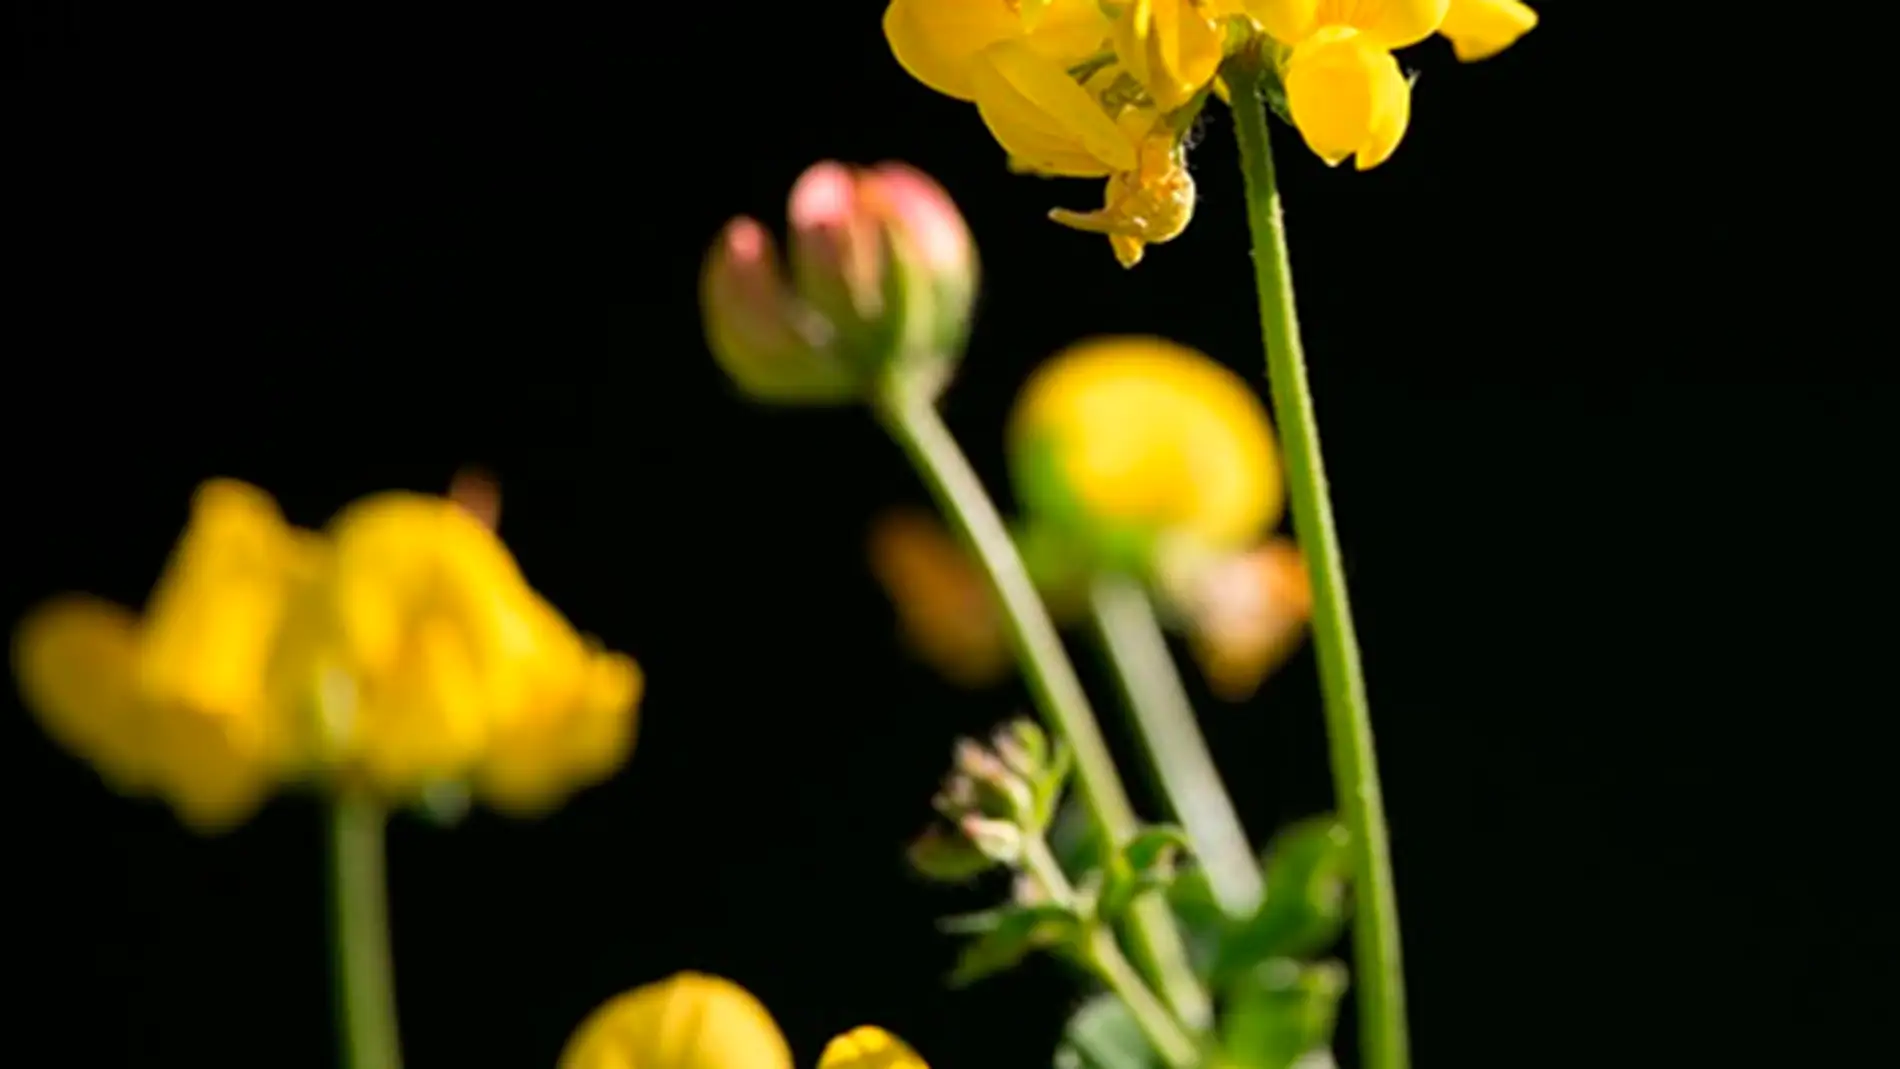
773,346
883,279
1245,612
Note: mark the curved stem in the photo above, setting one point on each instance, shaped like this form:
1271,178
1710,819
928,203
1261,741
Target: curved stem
365,993
1164,716
914,423
1348,722
1104,957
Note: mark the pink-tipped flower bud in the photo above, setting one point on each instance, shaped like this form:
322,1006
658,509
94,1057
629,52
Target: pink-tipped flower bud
883,279
772,345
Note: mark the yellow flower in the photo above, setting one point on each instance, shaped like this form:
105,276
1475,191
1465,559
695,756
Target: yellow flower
1140,439
693,1021
429,658
1344,88
869,1048
1480,29
1151,204
175,704
938,41
1172,47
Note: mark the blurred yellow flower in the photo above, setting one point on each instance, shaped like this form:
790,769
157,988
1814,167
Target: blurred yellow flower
1126,442
1480,29
1172,47
1344,88
869,1048
174,704
429,659
399,649
694,1021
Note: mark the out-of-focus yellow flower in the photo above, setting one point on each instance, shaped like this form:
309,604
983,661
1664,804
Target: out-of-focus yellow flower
175,704
1344,88
1480,29
1245,612
938,41
1126,442
869,1048
428,658
400,649
944,604
693,1021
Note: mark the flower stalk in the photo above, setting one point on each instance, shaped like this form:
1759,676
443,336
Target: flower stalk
1348,720
365,991
912,420
1164,717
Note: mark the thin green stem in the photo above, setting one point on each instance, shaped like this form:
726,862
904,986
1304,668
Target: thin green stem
1104,957
913,421
1348,722
365,993
1164,718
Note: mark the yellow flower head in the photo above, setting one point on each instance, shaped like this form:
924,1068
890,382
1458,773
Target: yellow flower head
693,1021
869,1048
1344,88
1126,442
429,658
175,704
1480,29
689,1021
1151,204
938,41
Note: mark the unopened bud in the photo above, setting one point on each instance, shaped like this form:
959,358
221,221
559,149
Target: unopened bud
999,792
771,345
947,856
884,276
997,840
1246,612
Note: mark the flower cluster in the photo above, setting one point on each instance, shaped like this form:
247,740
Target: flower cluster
693,1021
397,651
1098,89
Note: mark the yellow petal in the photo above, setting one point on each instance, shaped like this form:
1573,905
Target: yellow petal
1480,29
75,658
937,40
1170,47
1386,23
1287,21
1347,97
1039,114
689,1021
869,1048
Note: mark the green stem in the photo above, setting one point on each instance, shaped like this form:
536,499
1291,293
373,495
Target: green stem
365,994
1165,719
913,421
1348,722
1105,959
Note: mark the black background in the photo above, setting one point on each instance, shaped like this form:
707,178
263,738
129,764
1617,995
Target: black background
1604,448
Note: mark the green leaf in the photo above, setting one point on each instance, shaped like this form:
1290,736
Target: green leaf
1281,1012
1008,936
1104,1035
941,854
1074,840
1308,869
1146,864
1203,922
